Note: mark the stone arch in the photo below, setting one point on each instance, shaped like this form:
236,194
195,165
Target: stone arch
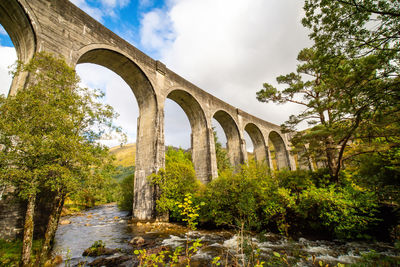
260,148
200,136
125,67
281,154
149,150
232,134
20,28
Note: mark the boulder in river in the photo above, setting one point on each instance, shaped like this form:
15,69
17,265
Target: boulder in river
137,240
110,261
93,252
64,222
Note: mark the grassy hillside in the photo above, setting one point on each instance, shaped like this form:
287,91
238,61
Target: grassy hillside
125,155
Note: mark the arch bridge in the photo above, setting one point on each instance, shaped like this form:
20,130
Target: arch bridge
61,28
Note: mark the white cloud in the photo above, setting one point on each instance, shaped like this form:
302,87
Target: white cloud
115,3
8,57
230,47
117,94
155,31
2,30
105,8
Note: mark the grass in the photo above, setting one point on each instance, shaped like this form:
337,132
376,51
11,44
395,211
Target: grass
10,251
124,155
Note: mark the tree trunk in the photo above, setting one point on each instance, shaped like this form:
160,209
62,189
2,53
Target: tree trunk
28,231
51,229
331,153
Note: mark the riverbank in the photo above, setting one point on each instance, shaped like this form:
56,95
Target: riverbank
117,231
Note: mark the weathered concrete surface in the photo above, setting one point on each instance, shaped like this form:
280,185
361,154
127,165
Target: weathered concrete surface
11,214
62,28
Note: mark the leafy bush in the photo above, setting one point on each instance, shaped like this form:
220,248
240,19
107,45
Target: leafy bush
237,198
125,200
175,181
346,212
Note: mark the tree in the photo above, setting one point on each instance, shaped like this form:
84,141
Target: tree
355,27
223,163
342,97
48,132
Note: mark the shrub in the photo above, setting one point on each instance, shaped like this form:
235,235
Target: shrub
237,198
125,201
174,182
346,212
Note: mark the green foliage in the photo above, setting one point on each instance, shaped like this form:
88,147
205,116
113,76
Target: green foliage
48,134
146,259
189,211
223,163
343,99
98,188
175,181
125,199
235,198
347,211
373,258
98,244
10,252
122,172
48,129
289,201
379,171
355,27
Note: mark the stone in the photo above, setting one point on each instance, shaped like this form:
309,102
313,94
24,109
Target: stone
110,261
137,240
93,252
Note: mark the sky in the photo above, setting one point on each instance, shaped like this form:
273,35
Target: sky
228,48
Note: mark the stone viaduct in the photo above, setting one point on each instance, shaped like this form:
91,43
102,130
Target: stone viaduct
59,27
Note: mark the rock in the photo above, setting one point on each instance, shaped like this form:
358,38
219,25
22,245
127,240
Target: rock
110,261
64,222
87,224
54,261
137,240
93,252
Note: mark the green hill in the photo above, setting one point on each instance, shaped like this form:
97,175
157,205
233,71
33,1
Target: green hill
124,155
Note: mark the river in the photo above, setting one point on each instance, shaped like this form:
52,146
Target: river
115,229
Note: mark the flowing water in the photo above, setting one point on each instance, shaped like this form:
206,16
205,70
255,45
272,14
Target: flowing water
115,229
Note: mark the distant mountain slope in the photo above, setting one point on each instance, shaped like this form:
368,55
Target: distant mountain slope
125,155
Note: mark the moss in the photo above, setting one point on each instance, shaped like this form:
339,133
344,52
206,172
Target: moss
10,251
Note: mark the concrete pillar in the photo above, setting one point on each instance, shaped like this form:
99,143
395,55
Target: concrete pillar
269,159
213,168
243,149
150,151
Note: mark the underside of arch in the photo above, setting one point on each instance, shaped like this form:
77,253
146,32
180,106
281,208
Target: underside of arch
200,136
281,154
232,137
128,70
18,26
260,148
149,129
